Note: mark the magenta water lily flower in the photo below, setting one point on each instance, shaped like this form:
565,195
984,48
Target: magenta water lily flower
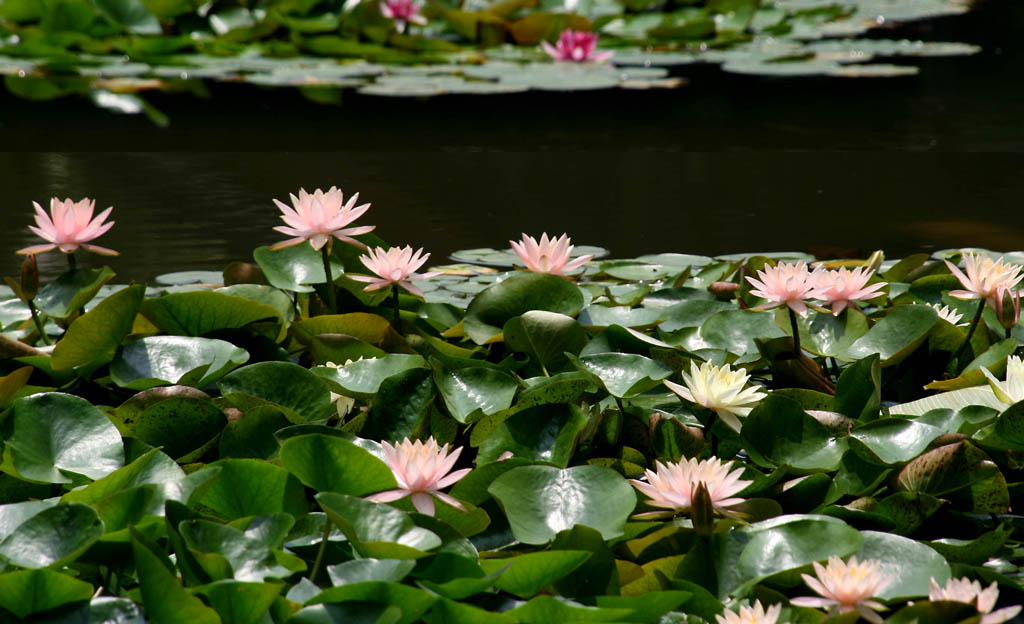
403,12
839,288
786,284
69,225
845,587
396,266
319,216
550,255
672,485
576,46
422,470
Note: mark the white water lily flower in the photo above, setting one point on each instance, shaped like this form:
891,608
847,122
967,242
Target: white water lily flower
966,590
751,615
720,389
948,314
1012,390
342,402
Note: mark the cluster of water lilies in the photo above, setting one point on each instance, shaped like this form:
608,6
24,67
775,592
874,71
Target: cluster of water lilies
684,447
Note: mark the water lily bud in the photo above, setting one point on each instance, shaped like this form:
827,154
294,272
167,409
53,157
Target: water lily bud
875,260
1007,306
723,290
30,278
703,510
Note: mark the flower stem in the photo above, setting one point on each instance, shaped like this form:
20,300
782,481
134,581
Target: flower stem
332,305
394,301
796,332
970,332
39,324
72,263
318,562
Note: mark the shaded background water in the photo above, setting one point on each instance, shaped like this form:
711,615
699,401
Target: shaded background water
727,164
178,211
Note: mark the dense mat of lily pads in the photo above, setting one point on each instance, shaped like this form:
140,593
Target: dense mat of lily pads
115,50
640,441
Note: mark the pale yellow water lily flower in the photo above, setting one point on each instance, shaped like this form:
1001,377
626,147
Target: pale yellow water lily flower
1012,390
756,614
69,225
720,389
672,485
948,314
846,587
422,470
982,276
970,592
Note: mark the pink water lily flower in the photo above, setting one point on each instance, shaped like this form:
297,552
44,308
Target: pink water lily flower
787,284
755,614
319,216
966,590
69,226
394,266
846,587
577,46
839,288
672,485
403,12
982,277
550,255
422,470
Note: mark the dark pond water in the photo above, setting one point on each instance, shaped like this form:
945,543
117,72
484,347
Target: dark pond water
727,164
178,211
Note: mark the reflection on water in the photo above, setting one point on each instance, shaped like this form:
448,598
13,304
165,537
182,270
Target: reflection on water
179,211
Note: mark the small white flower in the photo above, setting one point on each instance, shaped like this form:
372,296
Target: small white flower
948,314
721,389
343,403
751,615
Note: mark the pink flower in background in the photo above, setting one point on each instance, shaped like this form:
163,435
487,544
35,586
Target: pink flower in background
318,216
839,288
421,470
69,226
983,277
672,486
966,590
577,46
845,587
786,285
403,12
550,255
394,266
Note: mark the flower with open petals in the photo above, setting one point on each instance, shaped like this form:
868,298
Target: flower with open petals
319,216
839,288
577,46
1012,390
394,266
403,12
948,314
786,284
69,225
982,277
966,590
751,615
720,389
845,587
421,470
344,404
550,255
672,486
